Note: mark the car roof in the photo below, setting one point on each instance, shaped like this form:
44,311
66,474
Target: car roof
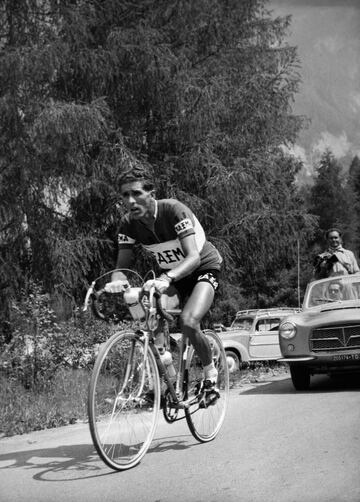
267,312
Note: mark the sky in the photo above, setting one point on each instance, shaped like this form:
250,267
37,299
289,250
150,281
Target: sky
327,36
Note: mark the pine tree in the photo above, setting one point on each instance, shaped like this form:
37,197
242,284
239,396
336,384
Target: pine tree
354,175
328,198
199,90
353,200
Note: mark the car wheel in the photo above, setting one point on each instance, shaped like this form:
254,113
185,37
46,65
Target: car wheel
233,360
300,377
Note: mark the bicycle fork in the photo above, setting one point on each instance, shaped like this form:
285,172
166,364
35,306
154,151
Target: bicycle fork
131,367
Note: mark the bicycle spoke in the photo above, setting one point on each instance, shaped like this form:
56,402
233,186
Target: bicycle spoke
121,417
205,421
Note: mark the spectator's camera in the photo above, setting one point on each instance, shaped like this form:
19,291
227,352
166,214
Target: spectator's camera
323,264
333,259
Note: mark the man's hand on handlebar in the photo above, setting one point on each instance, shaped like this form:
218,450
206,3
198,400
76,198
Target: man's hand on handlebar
161,283
117,286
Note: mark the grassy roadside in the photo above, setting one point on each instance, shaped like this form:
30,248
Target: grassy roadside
257,372
64,400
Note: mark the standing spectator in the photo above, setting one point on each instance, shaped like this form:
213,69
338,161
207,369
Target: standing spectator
336,260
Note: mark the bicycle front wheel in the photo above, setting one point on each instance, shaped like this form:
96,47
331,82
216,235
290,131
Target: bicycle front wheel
205,423
123,401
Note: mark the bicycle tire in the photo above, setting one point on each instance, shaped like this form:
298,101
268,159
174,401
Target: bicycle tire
205,423
122,421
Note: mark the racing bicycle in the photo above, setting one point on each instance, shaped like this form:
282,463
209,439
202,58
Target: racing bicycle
131,384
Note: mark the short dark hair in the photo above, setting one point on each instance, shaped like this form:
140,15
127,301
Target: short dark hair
333,229
137,173
336,283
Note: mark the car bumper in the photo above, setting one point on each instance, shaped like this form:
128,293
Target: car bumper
295,359
334,363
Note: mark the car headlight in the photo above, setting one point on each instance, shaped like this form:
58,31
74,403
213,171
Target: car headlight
287,330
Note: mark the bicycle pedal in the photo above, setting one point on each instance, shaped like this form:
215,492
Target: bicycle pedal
210,394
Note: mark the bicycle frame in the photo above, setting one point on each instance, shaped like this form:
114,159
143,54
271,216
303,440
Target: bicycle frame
178,390
152,311
177,393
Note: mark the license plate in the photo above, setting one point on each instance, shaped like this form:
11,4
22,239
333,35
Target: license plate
347,357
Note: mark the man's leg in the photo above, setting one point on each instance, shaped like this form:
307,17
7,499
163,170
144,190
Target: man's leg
194,310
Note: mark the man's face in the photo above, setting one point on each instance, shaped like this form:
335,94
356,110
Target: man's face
335,291
334,239
137,200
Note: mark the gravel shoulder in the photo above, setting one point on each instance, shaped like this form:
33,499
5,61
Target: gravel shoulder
258,373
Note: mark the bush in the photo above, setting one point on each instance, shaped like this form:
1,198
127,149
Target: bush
61,402
40,346
45,365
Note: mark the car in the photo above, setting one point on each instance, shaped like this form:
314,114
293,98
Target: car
253,336
325,336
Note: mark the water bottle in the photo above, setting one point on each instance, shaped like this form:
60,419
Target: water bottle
167,361
131,297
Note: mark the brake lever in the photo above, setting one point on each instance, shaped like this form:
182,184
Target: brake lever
160,308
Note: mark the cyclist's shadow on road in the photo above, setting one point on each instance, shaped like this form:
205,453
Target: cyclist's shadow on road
78,461
74,462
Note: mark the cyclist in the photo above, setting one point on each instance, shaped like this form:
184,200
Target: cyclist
171,232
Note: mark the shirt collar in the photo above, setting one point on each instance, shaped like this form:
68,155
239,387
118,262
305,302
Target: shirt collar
156,209
333,250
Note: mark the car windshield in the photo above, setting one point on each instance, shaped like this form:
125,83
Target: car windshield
270,324
333,289
244,323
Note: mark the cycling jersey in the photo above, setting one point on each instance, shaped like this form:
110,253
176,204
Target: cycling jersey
172,222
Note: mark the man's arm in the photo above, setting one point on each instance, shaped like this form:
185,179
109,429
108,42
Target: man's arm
119,282
347,259
125,259
191,261
354,264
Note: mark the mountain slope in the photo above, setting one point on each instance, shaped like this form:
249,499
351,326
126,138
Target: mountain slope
327,35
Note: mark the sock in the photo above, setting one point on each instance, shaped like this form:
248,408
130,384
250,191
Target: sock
210,372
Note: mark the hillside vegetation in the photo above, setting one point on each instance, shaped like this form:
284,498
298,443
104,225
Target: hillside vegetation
198,91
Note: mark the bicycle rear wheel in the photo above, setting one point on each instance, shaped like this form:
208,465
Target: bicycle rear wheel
123,401
205,423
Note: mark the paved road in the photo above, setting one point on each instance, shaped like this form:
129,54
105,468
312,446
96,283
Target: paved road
276,446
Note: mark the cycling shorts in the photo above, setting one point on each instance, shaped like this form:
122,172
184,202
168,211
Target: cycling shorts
186,285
